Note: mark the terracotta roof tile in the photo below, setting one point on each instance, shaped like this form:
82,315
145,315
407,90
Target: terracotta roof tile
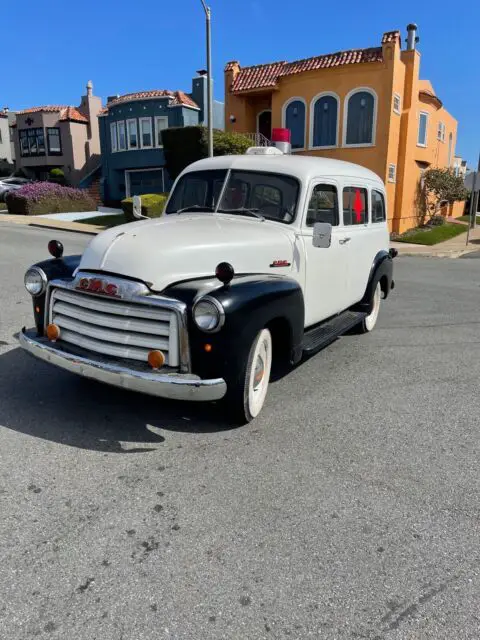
391,36
73,115
47,109
176,98
267,75
66,112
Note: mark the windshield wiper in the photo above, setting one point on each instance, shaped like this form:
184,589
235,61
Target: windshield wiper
243,211
195,207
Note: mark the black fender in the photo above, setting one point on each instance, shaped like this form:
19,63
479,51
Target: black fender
381,271
53,268
251,303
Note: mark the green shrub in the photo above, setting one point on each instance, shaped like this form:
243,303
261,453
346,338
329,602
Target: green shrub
38,198
153,205
57,176
184,145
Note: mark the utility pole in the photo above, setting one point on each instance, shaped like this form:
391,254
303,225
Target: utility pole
473,202
209,78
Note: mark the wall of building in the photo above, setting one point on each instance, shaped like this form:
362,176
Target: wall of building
114,164
396,134
41,120
5,146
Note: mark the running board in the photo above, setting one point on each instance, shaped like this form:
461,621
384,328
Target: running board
328,331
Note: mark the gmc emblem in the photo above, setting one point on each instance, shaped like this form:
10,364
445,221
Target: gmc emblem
95,285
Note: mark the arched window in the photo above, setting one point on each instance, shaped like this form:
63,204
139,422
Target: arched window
324,121
450,148
360,118
294,119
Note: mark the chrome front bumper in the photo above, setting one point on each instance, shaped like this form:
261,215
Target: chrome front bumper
175,386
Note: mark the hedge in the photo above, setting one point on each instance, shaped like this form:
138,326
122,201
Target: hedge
153,205
40,198
184,145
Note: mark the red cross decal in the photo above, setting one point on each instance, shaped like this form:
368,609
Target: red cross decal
358,207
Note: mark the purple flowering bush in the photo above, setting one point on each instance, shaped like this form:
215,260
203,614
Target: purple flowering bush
39,198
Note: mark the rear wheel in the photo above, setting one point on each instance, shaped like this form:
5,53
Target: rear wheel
247,395
369,322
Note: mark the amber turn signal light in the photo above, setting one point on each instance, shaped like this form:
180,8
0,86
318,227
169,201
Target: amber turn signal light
53,332
156,359
207,347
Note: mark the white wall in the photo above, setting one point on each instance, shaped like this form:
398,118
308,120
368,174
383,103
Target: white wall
5,146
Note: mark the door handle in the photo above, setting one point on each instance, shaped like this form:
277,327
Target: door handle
344,240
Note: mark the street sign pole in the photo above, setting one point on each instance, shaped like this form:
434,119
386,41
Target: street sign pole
472,223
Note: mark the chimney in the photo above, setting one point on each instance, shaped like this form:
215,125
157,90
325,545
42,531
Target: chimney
412,38
89,89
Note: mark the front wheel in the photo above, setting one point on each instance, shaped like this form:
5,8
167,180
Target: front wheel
247,396
369,322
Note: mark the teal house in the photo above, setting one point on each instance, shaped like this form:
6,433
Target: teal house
132,158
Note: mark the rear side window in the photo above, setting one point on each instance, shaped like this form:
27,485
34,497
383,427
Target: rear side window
378,207
355,206
323,205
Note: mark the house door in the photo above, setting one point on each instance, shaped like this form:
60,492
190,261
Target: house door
265,124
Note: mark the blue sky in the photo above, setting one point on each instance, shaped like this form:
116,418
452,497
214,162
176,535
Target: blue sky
51,50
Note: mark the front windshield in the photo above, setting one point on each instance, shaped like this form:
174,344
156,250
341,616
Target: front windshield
272,196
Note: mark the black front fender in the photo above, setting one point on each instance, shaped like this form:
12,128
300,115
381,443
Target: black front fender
250,303
54,268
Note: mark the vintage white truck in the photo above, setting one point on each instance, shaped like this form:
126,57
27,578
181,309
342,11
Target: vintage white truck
258,258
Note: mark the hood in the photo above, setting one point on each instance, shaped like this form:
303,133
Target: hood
180,247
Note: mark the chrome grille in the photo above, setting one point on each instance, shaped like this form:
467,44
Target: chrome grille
123,329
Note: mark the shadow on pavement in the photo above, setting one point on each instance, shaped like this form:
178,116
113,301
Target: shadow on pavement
45,402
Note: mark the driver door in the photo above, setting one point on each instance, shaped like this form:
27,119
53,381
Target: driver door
326,277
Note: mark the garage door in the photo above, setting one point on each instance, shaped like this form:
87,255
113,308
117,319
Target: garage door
147,181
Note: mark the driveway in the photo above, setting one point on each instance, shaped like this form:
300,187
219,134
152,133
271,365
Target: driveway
348,509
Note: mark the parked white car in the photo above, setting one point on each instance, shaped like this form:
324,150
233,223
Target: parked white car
257,258
11,184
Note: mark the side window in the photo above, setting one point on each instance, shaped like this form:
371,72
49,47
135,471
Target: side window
323,205
355,207
378,207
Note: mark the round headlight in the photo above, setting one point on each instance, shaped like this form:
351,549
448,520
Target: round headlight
35,281
208,314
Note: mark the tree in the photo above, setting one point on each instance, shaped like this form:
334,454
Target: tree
442,186
184,145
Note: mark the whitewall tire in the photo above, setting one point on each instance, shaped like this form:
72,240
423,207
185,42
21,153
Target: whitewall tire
247,397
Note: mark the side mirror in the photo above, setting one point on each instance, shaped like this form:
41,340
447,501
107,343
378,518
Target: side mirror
322,235
137,208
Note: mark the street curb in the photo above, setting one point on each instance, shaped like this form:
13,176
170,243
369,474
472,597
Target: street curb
439,254
88,231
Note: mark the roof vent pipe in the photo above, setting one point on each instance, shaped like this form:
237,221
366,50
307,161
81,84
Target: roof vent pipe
412,38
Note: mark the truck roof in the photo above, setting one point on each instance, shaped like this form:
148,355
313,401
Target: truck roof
302,167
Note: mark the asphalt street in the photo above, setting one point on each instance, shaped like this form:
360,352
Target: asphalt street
349,509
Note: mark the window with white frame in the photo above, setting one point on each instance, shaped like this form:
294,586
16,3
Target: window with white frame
397,103
132,134
294,119
146,136
113,136
392,172
161,122
441,132
122,138
422,129
360,119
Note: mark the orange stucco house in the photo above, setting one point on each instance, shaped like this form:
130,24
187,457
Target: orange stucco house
366,106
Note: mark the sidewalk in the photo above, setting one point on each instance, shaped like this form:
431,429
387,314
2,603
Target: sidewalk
452,248
35,221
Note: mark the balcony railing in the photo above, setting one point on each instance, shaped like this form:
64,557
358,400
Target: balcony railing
258,139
